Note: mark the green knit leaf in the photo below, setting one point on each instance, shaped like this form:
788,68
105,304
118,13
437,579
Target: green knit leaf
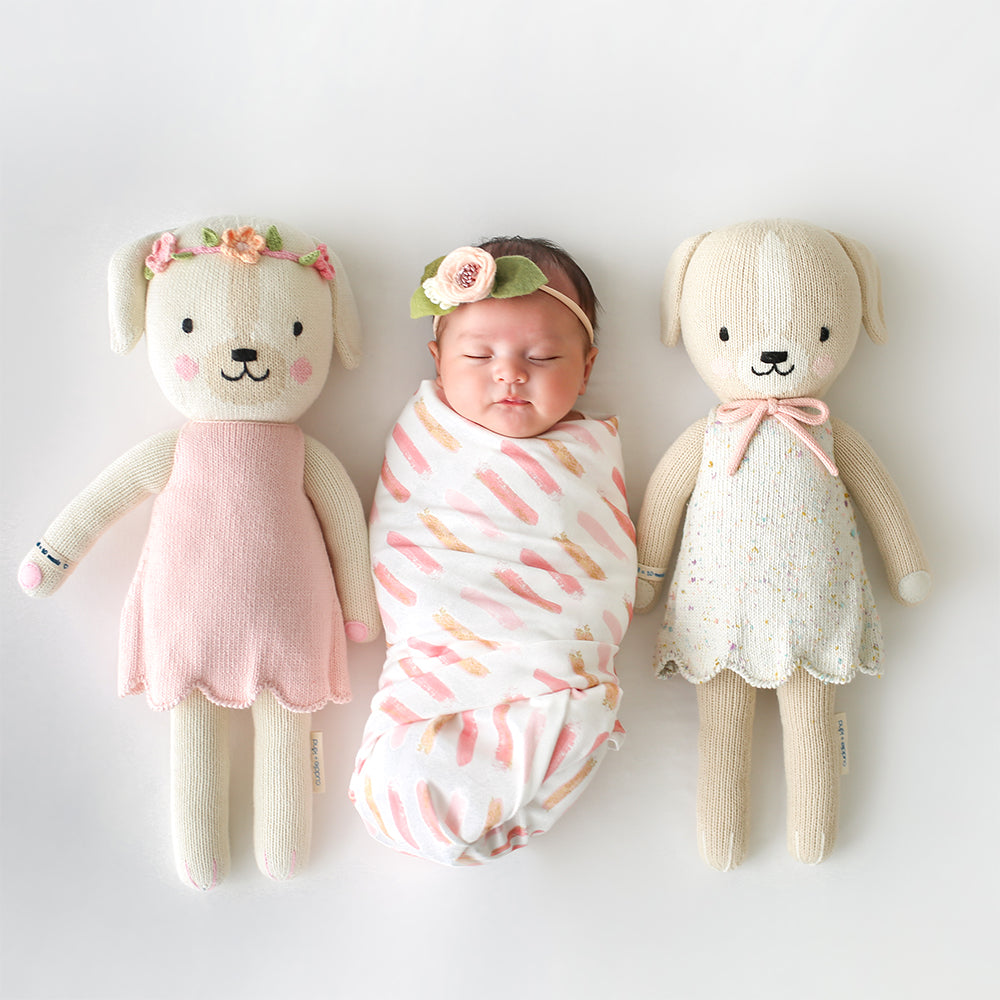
211,237
516,276
273,239
308,259
148,272
182,254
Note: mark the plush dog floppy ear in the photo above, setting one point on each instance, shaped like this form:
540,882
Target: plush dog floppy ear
864,265
127,293
673,286
346,323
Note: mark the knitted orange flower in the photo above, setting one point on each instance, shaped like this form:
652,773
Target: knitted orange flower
243,244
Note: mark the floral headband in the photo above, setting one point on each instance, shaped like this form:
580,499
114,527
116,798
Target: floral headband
471,274
244,244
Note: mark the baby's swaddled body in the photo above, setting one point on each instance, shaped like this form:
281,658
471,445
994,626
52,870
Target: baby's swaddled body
505,572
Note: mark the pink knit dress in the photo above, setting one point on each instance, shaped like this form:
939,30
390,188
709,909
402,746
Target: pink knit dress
234,592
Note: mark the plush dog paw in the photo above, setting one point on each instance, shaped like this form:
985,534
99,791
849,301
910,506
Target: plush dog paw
914,587
42,572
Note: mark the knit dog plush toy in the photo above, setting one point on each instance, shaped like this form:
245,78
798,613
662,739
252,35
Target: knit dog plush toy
769,590
257,550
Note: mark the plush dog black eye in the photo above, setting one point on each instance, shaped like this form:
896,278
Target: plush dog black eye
723,334
296,328
187,326
824,334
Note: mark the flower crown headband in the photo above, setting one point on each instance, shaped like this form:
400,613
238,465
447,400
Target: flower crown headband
471,274
244,244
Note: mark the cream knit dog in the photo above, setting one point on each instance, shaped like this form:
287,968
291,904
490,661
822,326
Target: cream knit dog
769,589
257,552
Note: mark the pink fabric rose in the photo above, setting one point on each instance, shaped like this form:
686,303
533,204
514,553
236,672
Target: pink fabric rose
465,275
323,265
163,250
243,244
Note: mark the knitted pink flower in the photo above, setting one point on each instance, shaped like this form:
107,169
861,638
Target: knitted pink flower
465,275
323,265
243,244
162,254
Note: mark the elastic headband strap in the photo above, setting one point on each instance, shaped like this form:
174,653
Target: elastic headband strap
565,300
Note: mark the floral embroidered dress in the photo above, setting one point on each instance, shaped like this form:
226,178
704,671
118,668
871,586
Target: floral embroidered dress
769,574
234,591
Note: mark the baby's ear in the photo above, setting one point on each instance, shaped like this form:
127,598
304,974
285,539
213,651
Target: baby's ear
863,261
346,322
673,287
127,286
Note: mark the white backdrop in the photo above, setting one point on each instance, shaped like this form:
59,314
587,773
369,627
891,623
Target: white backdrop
396,132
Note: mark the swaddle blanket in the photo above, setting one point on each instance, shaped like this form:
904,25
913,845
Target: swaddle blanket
505,571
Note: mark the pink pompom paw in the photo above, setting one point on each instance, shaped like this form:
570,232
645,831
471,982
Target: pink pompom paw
42,572
357,631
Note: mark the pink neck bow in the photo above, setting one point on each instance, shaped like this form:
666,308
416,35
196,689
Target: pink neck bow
793,413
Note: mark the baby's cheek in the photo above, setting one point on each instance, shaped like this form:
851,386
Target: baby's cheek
302,371
722,366
823,365
186,367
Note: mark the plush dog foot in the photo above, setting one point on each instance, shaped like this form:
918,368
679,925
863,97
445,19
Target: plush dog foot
202,871
279,862
723,848
813,843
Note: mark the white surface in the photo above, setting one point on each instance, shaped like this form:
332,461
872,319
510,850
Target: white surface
397,132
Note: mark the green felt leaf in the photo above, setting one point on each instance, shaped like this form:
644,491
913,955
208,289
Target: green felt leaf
308,259
516,276
211,237
431,269
420,306
273,238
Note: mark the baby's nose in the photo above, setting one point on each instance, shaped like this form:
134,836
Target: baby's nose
508,371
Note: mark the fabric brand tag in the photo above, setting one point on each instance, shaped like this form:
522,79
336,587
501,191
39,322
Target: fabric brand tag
840,725
316,762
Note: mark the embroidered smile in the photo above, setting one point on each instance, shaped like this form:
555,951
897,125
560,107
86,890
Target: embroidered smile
773,358
244,356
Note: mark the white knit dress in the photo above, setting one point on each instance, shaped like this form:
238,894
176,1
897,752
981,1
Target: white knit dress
769,575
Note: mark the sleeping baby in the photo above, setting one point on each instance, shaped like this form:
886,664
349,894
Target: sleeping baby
504,561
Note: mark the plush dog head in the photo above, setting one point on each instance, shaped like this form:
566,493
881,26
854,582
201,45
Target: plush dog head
241,316
771,308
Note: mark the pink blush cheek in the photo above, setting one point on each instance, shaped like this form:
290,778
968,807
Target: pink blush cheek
823,366
302,371
186,367
722,367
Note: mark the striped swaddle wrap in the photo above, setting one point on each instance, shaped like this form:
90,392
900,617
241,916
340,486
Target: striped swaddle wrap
505,571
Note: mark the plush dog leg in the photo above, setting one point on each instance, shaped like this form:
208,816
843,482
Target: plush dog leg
282,790
726,709
811,766
199,753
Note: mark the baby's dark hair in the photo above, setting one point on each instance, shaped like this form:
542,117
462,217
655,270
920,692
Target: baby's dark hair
548,256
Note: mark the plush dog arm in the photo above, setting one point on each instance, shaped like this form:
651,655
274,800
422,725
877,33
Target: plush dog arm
138,474
342,519
878,499
663,507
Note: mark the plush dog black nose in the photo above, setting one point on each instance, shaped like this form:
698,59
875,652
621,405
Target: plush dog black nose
774,357
244,354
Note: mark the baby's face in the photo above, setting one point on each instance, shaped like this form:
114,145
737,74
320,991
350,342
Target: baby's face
514,366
